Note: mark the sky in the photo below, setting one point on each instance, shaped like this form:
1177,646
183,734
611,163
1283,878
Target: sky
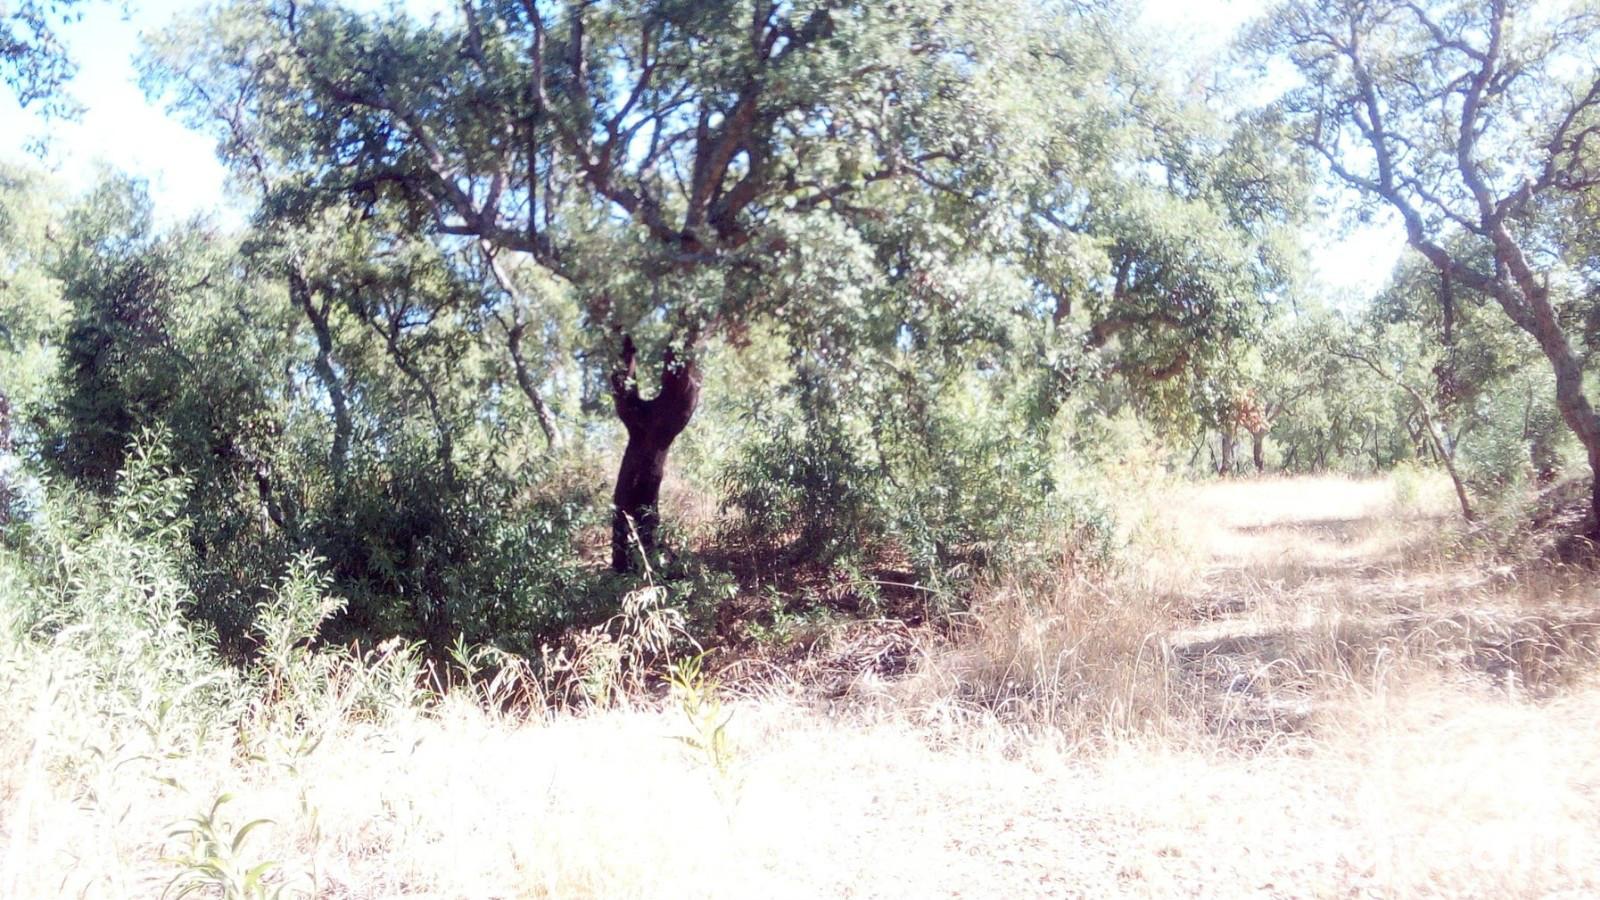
122,129
119,126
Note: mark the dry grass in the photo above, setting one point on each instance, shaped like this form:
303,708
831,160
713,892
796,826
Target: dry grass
1086,661
1324,705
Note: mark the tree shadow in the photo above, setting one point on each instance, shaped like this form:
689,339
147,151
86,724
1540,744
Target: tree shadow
1259,686
1341,529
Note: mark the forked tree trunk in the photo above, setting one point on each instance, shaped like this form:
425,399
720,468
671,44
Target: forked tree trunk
652,427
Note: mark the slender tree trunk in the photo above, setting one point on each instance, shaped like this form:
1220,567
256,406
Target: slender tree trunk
514,331
441,425
1446,455
300,295
652,427
1258,450
1436,440
1430,428
1229,442
541,410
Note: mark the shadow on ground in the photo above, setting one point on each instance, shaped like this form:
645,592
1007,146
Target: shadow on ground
1295,611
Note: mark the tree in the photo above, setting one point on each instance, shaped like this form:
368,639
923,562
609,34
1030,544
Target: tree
1382,352
30,312
1282,369
1465,119
657,156
1159,243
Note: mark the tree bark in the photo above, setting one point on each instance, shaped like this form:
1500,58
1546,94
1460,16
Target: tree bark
652,427
515,328
1225,464
1258,450
1398,177
430,396
1537,316
1436,436
1446,454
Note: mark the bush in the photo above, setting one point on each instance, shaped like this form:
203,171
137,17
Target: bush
801,484
1519,439
956,491
98,588
421,552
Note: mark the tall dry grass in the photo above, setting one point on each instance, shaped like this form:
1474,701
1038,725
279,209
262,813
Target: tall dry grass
1308,591
1086,660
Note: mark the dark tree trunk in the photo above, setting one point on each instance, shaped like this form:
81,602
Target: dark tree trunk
1258,450
1229,442
652,427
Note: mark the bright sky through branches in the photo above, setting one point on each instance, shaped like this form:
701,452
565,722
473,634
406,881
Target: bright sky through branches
121,129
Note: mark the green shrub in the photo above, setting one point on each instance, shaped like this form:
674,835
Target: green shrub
1518,439
802,484
958,489
98,590
420,552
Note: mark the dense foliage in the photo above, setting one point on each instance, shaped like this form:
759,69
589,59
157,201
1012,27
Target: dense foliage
896,284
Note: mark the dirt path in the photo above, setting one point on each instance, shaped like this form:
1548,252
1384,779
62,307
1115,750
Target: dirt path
1329,577
1376,722
1316,768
